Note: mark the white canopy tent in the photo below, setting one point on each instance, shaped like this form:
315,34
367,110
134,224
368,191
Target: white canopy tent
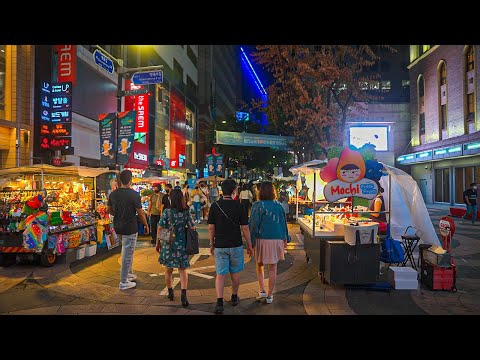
54,170
407,207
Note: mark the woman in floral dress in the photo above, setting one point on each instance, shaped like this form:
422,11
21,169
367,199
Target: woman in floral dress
173,255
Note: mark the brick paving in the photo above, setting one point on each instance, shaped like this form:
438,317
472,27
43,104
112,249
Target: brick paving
90,286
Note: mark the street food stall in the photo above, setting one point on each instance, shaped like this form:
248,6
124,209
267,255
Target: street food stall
46,210
330,231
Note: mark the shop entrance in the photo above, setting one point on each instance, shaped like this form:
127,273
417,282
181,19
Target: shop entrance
423,189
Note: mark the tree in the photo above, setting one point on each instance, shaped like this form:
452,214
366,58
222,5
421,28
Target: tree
314,89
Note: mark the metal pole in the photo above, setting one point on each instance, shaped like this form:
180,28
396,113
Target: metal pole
389,199
313,200
296,195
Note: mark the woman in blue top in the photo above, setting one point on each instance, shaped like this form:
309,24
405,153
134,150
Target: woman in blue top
268,229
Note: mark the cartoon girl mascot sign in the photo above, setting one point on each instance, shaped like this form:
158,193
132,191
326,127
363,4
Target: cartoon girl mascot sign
350,177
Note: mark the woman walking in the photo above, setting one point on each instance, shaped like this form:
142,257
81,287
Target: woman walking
246,198
173,254
269,233
196,197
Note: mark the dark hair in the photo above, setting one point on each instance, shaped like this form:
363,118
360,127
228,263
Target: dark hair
169,186
126,177
177,200
350,167
267,191
158,186
473,184
228,186
244,187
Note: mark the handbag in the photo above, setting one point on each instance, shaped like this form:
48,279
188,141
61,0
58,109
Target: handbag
392,250
191,241
168,234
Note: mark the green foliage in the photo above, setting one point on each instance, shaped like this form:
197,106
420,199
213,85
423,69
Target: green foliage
334,152
368,152
146,192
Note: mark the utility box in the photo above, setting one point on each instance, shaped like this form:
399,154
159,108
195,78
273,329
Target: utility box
346,264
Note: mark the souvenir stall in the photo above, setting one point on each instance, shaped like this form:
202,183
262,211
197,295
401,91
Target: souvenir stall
46,210
331,231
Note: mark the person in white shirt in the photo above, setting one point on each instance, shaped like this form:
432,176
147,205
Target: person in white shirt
246,199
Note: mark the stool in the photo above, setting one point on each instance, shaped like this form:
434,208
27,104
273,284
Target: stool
409,243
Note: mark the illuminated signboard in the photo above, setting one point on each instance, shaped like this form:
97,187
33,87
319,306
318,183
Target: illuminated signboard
59,143
67,63
242,116
376,135
61,116
141,107
61,129
59,101
173,163
64,88
44,129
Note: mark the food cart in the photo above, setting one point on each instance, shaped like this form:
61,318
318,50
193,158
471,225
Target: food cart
75,217
335,219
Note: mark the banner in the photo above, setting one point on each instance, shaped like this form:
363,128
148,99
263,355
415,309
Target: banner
258,140
108,133
126,134
210,160
215,164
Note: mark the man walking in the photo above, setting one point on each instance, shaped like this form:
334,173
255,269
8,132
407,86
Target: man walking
166,199
124,204
214,194
154,211
225,220
470,199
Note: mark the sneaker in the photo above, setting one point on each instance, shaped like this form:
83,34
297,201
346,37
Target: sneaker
269,299
131,277
218,308
127,285
235,300
262,295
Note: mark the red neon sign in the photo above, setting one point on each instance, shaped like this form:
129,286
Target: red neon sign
173,163
67,63
141,107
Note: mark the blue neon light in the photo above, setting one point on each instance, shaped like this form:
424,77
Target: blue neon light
252,76
262,90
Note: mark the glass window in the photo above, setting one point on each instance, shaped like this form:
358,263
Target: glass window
191,55
470,107
2,81
459,185
385,85
446,185
443,74
438,185
443,117
422,124
425,48
470,59
421,87
469,174
477,174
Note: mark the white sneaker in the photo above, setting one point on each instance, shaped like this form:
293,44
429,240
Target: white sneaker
262,295
131,277
127,285
269,299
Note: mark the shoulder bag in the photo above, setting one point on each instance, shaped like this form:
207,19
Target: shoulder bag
191,240
234,223
168,234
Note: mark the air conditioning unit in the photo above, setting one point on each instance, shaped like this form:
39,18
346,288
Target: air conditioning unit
443,94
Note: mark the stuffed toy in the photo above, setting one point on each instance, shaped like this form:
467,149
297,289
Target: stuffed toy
56,219
67,217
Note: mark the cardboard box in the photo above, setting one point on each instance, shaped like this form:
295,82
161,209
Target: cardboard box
81,252
401,273
405,284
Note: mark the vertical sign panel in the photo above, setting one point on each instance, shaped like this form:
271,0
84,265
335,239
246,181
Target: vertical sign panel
126,133
67,63
107,123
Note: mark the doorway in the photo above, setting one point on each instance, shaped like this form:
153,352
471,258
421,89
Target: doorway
423,189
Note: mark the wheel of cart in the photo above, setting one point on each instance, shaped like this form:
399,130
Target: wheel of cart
47,257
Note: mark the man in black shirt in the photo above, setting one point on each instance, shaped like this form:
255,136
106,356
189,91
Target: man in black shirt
166,199
124,204
470,199
225,219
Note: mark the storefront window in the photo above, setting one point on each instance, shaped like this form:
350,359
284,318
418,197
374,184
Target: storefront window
2,81
442,185
463,178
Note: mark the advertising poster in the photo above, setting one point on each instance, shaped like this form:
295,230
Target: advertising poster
219,165
126,133
210,164
107,123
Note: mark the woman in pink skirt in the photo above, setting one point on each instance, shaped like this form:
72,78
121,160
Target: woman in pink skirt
269,233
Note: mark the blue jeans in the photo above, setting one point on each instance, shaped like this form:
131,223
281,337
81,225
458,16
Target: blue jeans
471,208
128,247
229,260
197,206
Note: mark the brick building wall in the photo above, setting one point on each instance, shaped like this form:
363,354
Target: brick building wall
453,56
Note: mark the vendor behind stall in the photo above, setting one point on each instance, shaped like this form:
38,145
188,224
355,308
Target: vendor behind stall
378,204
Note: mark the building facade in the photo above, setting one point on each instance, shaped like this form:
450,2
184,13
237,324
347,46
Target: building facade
16,105
445,142
384,122
219,93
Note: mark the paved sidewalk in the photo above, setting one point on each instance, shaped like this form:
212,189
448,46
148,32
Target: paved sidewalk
90,286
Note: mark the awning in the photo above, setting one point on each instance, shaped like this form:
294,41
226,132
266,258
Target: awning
54,170
307,168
